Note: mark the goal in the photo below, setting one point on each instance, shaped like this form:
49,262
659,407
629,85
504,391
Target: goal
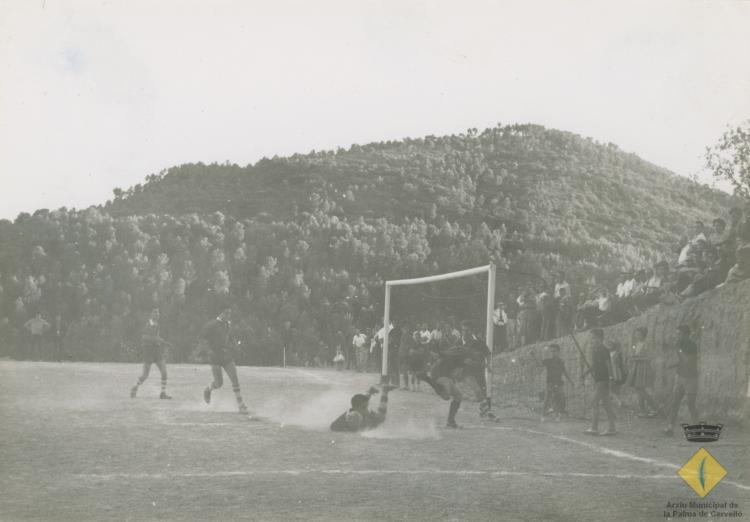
489,331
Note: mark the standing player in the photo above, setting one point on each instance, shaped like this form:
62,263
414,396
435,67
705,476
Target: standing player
153,353
359,417
216,334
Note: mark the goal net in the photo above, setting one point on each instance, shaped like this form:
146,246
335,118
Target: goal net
489,270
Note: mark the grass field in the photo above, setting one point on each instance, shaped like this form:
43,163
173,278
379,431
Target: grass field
74,446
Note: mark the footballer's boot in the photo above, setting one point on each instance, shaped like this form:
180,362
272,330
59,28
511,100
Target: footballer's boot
207,395
133,392
242,408
164,395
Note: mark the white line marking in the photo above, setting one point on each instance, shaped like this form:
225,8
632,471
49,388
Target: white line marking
243,425
316,377
611,452
373,472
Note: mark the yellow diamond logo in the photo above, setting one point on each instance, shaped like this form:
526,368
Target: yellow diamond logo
702,472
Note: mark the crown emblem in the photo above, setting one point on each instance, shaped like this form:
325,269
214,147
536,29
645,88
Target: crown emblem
702,432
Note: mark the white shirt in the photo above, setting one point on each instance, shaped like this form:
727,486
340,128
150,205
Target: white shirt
685,252
359,340
625,288
499,317
423,336
560,286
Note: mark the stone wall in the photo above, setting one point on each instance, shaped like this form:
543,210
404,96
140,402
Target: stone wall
720,322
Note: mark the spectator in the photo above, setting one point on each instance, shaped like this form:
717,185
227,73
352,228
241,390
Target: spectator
641,375
741,268
339,359
511,310
359,342
708,277
625,286
561,285
565,314
554,397
526,307
500,322
599,370
422,335
618,373
548,306
687,378
690,250
717,233
36,327
405,347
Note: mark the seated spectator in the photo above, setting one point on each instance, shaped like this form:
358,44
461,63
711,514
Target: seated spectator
718,232
658,281
561,285
709,276
690,250
639,286
625,287
741,268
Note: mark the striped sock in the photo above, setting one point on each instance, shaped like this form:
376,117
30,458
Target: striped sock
236,390
164,386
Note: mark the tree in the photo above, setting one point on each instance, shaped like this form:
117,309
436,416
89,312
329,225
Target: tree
729,159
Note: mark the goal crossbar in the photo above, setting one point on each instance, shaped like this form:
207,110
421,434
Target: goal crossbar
489,327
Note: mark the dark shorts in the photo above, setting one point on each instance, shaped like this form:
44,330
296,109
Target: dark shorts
153,354
220,359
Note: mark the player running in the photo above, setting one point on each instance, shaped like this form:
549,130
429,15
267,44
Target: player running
216,334
460,364
154,352
360,417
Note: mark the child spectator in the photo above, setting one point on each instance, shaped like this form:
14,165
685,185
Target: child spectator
554,397
641,376
339,360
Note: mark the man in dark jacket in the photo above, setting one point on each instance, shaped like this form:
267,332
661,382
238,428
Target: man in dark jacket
216,334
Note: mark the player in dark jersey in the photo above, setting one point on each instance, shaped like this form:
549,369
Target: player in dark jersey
154,352
462,364
216,334
360,417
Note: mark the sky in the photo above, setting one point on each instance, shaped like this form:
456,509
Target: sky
98,94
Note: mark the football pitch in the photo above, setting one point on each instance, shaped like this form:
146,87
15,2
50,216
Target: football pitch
75,446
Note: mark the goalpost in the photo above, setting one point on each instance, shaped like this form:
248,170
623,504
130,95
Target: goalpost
489,331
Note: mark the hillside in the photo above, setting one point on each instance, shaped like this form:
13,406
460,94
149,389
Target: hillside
563,193
310,238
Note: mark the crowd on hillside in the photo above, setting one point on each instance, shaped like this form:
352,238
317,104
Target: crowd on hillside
711,257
